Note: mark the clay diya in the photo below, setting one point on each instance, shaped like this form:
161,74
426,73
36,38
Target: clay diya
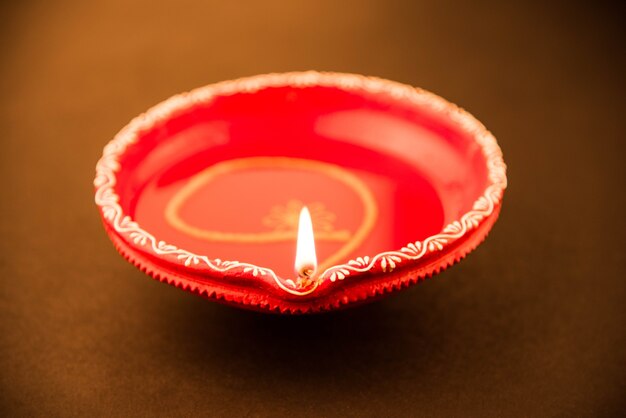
398,184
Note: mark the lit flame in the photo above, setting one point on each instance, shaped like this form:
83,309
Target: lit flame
306,260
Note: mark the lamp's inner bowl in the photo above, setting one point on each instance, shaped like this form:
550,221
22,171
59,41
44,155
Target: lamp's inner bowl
227,179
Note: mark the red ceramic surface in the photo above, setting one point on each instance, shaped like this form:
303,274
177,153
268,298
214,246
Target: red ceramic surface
400,184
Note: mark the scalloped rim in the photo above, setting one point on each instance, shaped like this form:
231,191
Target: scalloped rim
107,198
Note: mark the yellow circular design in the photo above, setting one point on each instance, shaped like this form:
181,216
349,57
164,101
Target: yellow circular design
211,173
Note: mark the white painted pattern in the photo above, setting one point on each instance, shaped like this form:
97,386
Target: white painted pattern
108,200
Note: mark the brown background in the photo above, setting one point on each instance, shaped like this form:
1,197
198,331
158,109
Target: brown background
531,324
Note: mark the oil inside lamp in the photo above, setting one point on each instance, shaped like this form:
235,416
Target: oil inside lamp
306,259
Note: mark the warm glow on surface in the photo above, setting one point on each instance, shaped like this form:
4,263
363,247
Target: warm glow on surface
306,260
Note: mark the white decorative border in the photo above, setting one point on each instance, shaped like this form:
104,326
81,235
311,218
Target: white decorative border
107,199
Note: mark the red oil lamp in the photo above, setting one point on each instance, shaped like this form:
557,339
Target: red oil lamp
364,185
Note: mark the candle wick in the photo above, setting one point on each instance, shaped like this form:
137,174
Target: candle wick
306,273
